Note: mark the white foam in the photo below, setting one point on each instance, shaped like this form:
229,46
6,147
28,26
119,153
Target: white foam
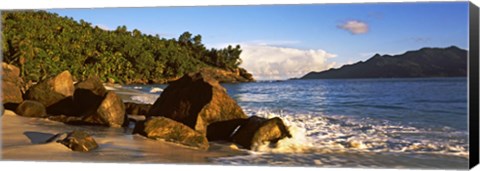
297,144
146,98
156,90
313,132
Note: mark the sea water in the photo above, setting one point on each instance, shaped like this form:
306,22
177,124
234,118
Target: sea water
401,123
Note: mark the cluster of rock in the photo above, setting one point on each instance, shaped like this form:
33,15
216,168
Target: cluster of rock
57,98
200,103
191,111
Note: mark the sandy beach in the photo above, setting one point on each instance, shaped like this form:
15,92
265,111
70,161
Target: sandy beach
23,139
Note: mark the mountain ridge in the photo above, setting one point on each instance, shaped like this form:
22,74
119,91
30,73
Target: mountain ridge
425,62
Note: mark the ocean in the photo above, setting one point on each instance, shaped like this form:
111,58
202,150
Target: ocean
372,123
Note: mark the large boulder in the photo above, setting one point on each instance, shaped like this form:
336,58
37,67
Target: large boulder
172,131
11,86
259,130
88,95
137,109
196,100
55,93
79,141
111,111
30,108
223,130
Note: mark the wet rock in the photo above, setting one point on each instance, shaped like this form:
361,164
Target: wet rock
137,109
223,130
55,93
172,131
259,130
11,86
196,100
79,141
30,108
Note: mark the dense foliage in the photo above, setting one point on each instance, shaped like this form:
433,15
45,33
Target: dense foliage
43,44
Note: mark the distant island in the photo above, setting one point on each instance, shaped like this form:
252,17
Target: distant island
43,44
426,62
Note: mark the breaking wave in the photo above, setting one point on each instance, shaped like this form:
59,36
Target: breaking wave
320,133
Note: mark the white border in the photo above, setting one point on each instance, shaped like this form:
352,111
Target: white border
50,4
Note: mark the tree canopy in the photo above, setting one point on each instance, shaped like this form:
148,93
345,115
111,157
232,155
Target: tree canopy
44,44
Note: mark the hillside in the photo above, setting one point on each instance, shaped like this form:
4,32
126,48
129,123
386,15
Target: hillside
426,62
43,44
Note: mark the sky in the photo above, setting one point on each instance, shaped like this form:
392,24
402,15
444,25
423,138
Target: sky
286,41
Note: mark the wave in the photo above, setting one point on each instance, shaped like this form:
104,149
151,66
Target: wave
321,133
156,90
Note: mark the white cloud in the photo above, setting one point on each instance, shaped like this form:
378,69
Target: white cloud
268,62
354,27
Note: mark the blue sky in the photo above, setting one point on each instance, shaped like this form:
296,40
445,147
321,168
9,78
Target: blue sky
283,41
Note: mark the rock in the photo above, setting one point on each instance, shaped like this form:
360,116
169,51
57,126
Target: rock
88,95
11,86
72,120
110,112
86,102
10,73
65,106
196,100
79,141
11,95
30,108
55,93
224,130
172,131
94,84
259,130
137,109
9,112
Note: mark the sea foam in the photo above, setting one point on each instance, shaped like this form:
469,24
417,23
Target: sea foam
321,133
146,98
